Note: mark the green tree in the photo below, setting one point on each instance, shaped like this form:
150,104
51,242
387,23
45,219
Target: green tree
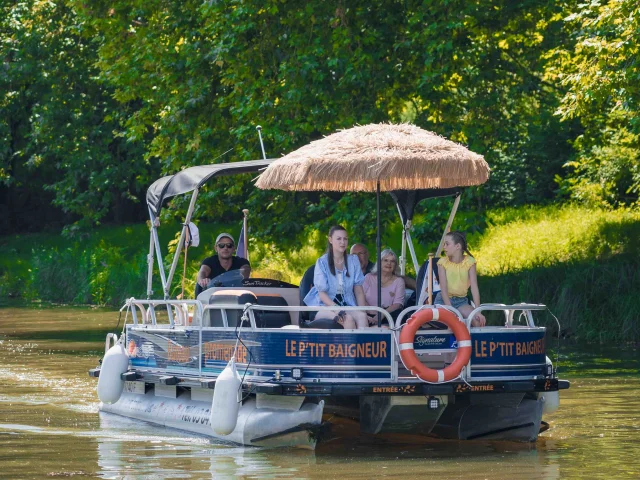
98,98
204,75
60,127
602,73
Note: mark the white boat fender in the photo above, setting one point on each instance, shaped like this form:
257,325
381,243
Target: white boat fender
551,401
110,383
226,400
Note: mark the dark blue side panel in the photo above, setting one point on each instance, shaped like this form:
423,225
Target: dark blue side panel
355,355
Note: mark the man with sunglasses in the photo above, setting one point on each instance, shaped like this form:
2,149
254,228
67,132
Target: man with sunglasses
223,261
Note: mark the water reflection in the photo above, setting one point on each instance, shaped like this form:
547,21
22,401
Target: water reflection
49,425
128,445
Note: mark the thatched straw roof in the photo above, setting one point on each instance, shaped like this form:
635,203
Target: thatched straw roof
401,157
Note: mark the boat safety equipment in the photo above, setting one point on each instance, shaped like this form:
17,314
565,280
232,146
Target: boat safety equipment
551,401
411,360
114,364
226,400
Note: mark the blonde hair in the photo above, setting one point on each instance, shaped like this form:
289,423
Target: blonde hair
385,253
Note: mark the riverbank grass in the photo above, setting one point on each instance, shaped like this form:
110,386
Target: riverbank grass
583,263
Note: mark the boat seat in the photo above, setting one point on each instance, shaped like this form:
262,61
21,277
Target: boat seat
267,319
213,317
305,286
420,280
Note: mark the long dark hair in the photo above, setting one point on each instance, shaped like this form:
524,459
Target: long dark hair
459,238
329,251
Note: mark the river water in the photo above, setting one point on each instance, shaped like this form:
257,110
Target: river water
50,426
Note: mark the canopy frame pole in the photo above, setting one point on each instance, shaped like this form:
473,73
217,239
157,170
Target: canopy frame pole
259,129
245,227
150,264
430,279
412,250
403,253
183,234
158,250
379,252
447,228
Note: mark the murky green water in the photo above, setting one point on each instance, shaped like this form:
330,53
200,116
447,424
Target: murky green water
50,426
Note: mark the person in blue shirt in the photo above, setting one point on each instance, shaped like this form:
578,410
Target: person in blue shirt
337,282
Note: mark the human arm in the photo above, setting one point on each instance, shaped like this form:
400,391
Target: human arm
324,298
475,293
203,276
409,282
245,269
370,288
359,293
358,280
321,282
473,281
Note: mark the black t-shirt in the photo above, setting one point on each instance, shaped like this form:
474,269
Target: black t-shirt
216,269
213,263
370,266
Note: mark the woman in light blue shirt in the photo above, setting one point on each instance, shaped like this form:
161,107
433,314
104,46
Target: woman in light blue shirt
337,281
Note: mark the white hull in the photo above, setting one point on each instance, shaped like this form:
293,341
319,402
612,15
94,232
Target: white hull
264,427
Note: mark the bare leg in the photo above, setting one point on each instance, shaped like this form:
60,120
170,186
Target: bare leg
477,321
372,322
360,319
348,322
326,314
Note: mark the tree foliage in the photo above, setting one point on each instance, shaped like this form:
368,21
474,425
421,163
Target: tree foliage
98,98
602,73
60,127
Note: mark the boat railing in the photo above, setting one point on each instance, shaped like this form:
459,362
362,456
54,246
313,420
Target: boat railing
509,311
414,308
432,345
178,311
248,324
107,342
252,307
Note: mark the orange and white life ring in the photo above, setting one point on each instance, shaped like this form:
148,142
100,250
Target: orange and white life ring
411,360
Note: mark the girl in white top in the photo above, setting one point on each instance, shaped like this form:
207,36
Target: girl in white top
337,281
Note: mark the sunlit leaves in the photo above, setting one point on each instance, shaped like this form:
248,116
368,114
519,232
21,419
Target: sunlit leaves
602,73
99,98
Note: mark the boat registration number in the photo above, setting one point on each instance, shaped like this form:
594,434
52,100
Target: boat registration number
134,387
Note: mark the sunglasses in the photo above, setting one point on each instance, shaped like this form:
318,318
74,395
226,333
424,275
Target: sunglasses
225,245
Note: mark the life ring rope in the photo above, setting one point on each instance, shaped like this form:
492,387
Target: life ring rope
407,351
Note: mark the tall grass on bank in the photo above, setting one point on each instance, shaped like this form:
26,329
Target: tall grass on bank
103,276
594,301
93,268
529,237
583,263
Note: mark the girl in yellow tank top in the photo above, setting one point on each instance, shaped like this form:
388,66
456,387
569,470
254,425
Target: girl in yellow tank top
457,273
